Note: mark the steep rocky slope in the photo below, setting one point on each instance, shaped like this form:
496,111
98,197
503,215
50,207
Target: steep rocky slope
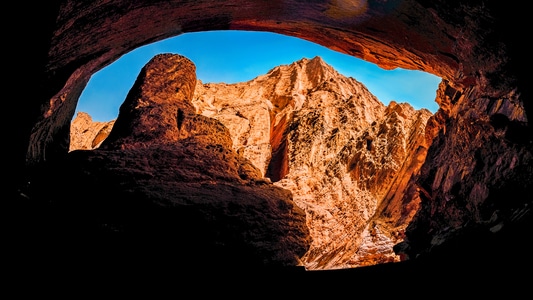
339,150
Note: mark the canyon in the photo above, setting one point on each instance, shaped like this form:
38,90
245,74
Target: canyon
474,218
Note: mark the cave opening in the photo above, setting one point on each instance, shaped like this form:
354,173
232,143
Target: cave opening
460,35
370,172
241,56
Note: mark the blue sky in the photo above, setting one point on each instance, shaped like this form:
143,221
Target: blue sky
237,56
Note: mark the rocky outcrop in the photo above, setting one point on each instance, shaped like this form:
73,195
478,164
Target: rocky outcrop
85,134
340,164
166,180
339,150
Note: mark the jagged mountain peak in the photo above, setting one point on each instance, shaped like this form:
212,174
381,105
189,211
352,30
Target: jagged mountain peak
293,84
315,69
304,61
316,62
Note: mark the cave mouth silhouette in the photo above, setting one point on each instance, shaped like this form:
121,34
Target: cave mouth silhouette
45,143
272,177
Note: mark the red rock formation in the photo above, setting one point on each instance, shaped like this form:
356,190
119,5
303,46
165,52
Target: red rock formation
169,178
157,106
473,46
341,164
86,134
477,184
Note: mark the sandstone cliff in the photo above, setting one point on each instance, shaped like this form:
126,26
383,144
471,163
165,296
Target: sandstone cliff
340,151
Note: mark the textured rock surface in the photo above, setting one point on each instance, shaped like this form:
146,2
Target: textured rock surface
169,178
343,153
85,134
473,46
333,144
477,186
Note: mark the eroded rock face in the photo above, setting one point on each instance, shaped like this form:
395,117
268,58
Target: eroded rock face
167,181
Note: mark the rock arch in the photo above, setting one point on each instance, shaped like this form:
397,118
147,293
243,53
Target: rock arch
465,179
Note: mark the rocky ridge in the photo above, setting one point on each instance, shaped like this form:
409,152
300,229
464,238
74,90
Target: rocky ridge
344,155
